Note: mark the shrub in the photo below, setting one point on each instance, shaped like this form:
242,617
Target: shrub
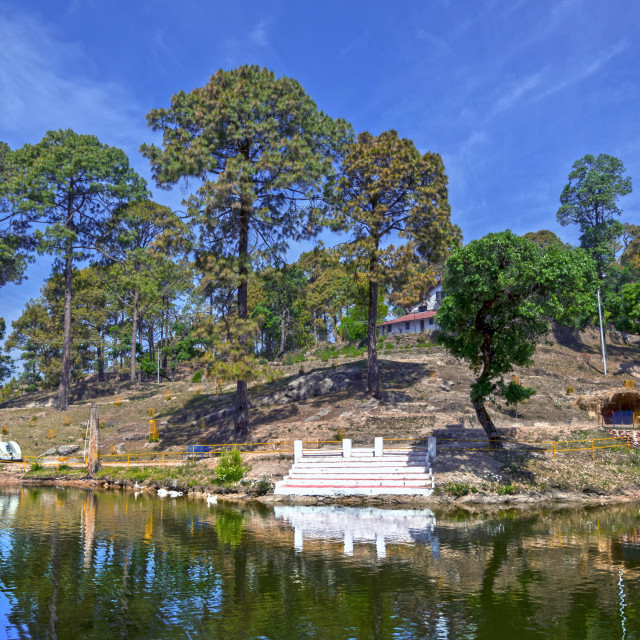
64,467
197,376
262,487
506,489
291,358
457,488
36,466
230,467
31,387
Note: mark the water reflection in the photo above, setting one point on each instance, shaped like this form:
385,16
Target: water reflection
78,564
362,525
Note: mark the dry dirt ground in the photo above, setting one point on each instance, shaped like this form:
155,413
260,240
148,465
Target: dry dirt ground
414,406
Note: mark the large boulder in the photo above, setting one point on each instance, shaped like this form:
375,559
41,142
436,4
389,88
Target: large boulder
321,382
67,449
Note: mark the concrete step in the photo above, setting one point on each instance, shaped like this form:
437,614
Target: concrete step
351,482
342,490
394,471
359,460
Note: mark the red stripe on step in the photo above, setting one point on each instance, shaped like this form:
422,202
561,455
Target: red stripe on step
349,486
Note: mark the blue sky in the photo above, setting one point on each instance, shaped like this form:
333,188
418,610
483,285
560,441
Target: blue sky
511,93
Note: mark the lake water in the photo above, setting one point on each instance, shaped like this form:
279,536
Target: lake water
81,564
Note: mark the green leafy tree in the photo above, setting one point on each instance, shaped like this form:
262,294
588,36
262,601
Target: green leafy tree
66,186
331,288
142,239
6,364
15,242
387,187
544,238
590,201
630,295
260,150
500,292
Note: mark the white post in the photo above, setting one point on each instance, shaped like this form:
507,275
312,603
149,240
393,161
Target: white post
377,447
348,543
297,539
381,550
431,447
602,345
297,450
346,448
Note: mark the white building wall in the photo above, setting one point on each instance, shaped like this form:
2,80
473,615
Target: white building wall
432,302
414,327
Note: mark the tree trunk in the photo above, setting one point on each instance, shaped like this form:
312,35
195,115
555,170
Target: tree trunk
373,374
134,337
151,344
101,357
93,454
63,389
283,331
140,343
242,401
487,424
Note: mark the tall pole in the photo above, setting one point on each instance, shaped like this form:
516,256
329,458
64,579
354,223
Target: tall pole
602,346
158,366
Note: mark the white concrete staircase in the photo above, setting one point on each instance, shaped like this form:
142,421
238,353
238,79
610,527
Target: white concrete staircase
359,471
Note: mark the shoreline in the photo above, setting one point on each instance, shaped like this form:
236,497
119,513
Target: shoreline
471,502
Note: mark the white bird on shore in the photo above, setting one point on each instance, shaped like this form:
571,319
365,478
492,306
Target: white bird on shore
175,494
162,493
211,499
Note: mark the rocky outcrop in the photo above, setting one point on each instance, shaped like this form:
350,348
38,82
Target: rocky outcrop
313,384
62,450
305,387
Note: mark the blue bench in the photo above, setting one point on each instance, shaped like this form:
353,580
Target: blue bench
197,451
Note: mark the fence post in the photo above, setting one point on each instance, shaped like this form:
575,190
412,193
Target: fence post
297,450
346,448
128,456
593,452
554,450
377,447
163,460
431,447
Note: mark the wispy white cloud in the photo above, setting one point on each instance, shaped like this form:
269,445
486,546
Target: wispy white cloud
590,68
45,83
251,47
258,35
513,94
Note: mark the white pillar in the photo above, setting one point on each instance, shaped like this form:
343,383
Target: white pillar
377,447
381,549
297,539
297,450
346,448
348,543
431,447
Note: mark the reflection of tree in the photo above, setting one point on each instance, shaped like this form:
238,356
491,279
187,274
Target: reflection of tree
233,573
89,527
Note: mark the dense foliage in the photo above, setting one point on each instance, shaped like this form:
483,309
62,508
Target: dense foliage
501,291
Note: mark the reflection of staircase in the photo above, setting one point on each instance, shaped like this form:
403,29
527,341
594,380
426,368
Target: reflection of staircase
359,472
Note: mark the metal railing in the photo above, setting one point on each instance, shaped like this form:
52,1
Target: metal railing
456,445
